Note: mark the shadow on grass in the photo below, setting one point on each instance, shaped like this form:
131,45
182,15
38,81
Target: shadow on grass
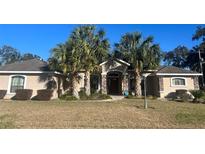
6,121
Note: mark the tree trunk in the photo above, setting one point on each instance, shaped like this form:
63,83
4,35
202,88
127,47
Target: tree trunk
73,87
87,83
138,91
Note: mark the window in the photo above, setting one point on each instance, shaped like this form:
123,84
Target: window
178,82
17,82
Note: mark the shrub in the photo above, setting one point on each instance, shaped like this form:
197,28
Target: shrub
99,96
44,95
82,94
185,97
67,97
23,94
2,93
180,92
199,95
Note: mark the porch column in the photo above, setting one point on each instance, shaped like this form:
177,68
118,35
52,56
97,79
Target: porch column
196,82
161,87
99,83
104,83
125,82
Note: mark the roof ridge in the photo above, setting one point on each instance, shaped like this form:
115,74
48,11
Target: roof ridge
162,67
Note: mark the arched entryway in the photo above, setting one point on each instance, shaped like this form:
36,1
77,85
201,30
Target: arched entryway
114,83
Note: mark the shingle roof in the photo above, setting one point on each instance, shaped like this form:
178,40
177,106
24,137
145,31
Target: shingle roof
27,65
173,69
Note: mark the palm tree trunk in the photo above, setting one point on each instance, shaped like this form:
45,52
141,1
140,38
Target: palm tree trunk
138,91
73,87
87,83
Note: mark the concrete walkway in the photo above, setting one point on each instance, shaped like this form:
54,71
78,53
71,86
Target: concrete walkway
116,97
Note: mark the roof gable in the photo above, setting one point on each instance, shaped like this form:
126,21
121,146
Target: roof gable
117,60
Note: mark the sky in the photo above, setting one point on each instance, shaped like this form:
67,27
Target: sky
39,39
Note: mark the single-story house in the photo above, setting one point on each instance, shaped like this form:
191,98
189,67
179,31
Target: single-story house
116,77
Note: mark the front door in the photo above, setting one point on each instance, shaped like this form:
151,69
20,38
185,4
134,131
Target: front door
114,84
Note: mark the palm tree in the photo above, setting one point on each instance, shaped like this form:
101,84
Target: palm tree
139,53
93,48
66,59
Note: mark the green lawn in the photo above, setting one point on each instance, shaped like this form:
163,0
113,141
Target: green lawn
127,113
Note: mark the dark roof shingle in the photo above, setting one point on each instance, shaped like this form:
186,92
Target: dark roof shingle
173,69
27,65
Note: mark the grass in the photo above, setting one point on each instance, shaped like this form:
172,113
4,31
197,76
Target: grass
126,113
6,121
194,118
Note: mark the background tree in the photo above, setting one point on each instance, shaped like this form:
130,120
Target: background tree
9,55
93,47
137,51
200,36
177,57
28,56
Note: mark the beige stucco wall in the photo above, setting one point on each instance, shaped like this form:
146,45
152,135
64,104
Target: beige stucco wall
169,88
32,82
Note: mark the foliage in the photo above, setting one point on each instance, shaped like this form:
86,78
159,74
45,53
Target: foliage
85,49
99,96
200,35
9,55
68,97
182,95
199,95
93,96
185,97
192,60
43,95
82,94
141,53
23,94
28,56
177,57
66,59
93,47
182,57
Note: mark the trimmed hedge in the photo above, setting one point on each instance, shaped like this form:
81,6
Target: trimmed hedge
67,97
43,95
183,95
23,94
2,93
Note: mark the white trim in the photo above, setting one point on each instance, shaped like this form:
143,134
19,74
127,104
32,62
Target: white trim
103,63
122,61
185,79
9,84
180,74
31,72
